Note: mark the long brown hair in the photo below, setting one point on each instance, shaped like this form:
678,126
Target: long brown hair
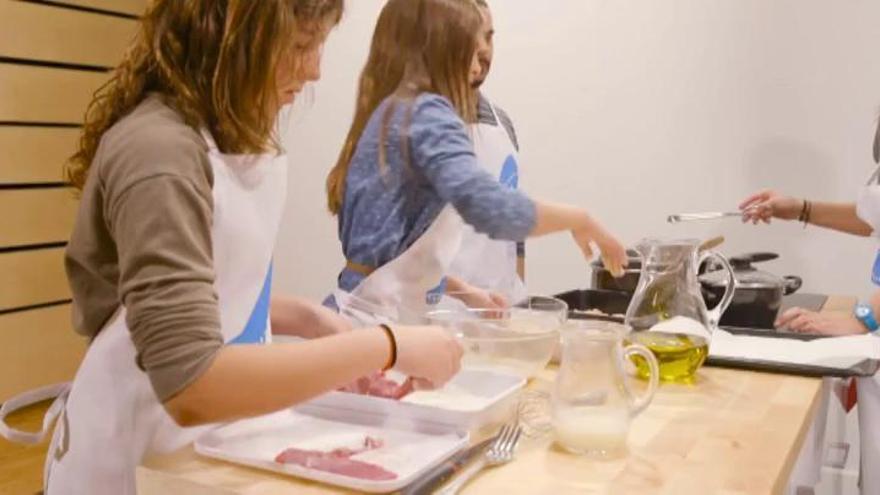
214,61
418,46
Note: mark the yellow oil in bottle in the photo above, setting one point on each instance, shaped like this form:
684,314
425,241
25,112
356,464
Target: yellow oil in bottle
679,355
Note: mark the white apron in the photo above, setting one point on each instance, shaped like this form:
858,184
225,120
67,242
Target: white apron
807,470
481,261
869,434
112,418
808,467
397,291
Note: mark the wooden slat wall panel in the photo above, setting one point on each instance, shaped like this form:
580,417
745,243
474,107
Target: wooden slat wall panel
32,277
51,34
36,216
131,7
33,155
40,348
52,56
39,94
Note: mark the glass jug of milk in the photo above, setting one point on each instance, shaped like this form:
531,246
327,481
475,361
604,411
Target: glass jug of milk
594,399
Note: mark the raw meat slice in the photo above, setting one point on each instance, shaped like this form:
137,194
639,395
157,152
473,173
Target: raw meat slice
323,461
377,385
339,461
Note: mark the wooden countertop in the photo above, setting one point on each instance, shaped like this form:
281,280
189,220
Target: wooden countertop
733,432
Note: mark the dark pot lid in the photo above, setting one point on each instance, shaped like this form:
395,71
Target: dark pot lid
747,276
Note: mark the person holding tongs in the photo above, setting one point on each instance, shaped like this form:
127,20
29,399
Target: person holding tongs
860,217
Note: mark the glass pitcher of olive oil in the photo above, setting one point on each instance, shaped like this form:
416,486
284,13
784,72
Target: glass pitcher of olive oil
668,314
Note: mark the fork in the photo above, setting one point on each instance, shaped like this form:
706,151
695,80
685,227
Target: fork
500,452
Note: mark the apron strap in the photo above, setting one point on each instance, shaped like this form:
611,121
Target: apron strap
875,177
495,114
209,139
499,123
59,392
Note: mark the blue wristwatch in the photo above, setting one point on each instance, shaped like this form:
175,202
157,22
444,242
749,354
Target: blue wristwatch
865,314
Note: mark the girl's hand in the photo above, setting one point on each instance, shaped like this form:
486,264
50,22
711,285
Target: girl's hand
474,297
765,205
429,354
803,321
612,251
483,299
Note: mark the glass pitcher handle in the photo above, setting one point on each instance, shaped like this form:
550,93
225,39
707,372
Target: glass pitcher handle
638,404
715,314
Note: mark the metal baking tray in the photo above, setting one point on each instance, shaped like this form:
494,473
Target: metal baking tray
865,367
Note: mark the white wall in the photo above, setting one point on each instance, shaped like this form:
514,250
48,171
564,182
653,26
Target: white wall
636,109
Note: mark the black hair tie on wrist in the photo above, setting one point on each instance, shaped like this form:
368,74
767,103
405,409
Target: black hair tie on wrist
392,359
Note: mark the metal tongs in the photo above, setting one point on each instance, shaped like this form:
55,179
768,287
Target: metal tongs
695,217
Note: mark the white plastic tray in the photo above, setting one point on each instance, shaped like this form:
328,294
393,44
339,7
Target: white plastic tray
496,395
407,453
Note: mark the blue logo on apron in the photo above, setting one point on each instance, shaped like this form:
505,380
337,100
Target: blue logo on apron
433,294
257,325
510,173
